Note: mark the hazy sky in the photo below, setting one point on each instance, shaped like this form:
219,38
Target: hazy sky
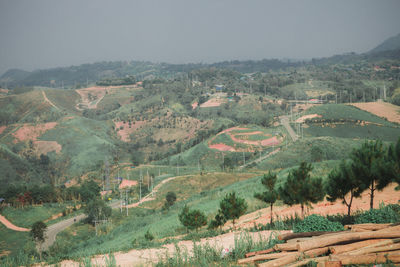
49,33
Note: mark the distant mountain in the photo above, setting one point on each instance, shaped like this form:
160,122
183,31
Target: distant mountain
14,75
393,43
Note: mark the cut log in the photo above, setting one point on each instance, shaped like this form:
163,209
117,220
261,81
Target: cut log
294,257
353,246
306,261
346,237
286,246
370,250
289,236
367,226
251,254
381,257
296,240
265,257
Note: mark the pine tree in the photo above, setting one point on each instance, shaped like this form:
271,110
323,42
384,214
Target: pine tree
393,162
232,207
342,182
271,195
299,188
369,166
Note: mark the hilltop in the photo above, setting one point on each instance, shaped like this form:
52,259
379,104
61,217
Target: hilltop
199,131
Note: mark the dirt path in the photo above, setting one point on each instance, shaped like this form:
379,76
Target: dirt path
150,196
11,226
147,257
285,123
48,101
262,158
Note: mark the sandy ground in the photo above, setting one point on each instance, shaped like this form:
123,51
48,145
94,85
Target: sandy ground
382,109
127,183
222,147
148,256
48,101
44,147
11,226
213,102
387,196
2,128
126,131
97,94
305,117
32,132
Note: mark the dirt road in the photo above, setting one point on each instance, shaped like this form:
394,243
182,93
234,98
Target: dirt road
11,226
54,229
147,257
262,158
48,101
285,123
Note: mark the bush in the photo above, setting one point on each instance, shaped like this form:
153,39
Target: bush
148,236
316,223
385,214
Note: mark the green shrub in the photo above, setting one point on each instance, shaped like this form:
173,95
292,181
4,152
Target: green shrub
386,214
316,223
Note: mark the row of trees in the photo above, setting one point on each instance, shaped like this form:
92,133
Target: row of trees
231,207
371,167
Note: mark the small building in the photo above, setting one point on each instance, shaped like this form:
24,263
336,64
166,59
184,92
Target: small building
219,87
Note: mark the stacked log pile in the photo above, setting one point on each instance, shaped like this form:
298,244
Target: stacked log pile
359,244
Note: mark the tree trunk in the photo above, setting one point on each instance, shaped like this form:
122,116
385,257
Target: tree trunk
371,203
302,210
271,214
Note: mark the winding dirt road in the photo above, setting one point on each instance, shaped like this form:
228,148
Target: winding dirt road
11,226
285,123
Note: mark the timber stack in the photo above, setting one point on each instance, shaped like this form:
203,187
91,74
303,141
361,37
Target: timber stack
359,244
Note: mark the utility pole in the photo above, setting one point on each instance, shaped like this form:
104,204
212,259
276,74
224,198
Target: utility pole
126,201
336,98
223,162
244,159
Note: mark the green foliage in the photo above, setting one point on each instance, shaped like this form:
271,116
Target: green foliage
38,230
148,236
314,223
271,195
385,214
341,183
368,164
299,188
89,190
232,207
97,209
170,199
192,219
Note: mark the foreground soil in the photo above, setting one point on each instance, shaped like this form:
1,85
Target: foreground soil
146,257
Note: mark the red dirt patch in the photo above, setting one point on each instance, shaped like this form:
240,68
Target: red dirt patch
11,226
270,141
213,102
221,147
4,253
32,132
55,216
125,132
2,128
44,147
382,109
387,196
127,183
195,105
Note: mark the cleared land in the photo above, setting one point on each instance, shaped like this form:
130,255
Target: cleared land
382,109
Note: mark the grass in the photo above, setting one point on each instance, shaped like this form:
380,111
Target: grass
353,131
346,112
25,217
310,149
14,241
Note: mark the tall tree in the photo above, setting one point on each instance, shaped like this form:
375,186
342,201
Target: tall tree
192,219
341,183
299,188
38,234
232,207
369,165
271,195
393,161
